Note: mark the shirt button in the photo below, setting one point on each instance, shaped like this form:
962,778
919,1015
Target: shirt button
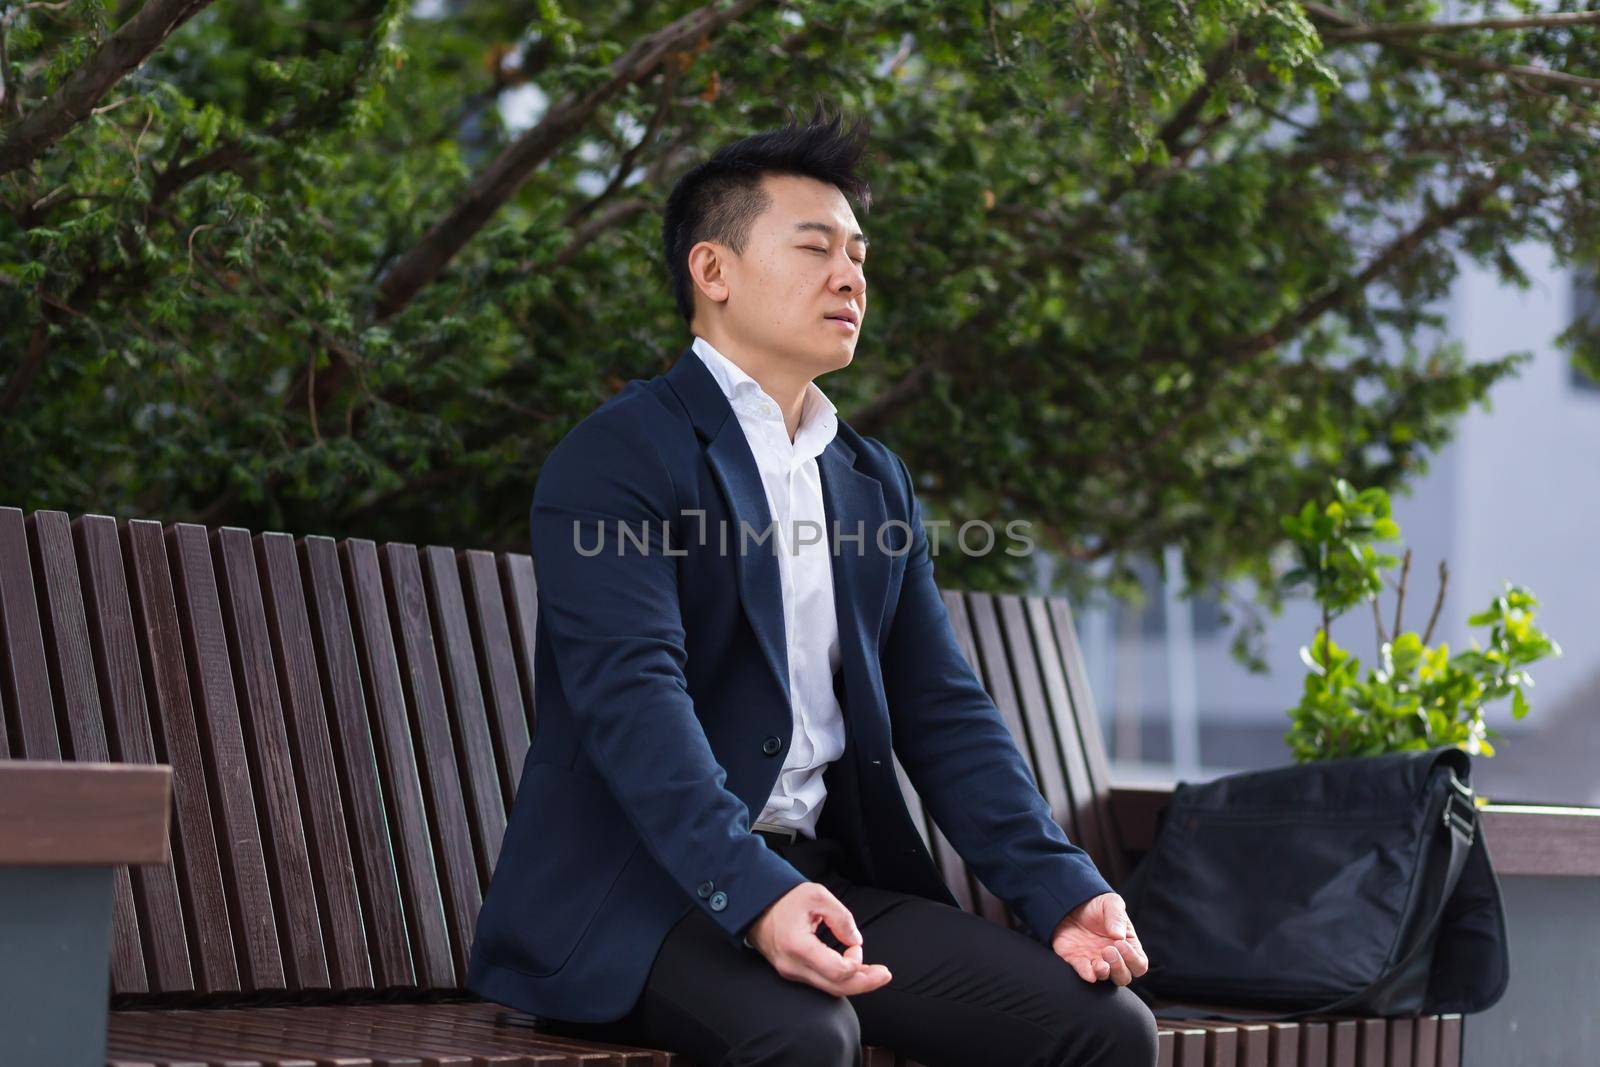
771,745
705,889
718,901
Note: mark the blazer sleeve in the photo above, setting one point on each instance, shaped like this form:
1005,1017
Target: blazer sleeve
961,757
611,611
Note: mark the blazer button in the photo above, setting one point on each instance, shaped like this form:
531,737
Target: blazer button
705,889
718,901
771,745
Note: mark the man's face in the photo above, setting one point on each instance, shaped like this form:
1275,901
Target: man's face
802,264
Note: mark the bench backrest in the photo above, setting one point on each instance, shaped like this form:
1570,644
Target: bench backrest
346,724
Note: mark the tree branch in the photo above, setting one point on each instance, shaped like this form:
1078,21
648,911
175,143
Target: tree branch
1391,30
86,86
497,184
1348,30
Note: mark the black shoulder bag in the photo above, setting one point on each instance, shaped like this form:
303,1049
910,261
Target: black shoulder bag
1354,887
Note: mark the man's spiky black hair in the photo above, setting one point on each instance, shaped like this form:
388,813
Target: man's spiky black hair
720,199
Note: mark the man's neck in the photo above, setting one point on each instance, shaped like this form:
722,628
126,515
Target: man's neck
787,390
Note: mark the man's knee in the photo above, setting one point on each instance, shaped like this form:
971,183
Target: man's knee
1124,1033
828,1035
1113,1029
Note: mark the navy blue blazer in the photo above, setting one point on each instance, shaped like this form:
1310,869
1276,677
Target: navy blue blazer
661,688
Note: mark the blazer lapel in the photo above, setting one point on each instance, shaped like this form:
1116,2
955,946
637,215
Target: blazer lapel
734,465
852,502
760,583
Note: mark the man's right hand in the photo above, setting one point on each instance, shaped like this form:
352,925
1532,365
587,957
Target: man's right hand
786,934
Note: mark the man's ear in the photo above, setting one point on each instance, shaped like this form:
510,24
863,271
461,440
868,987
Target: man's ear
705,263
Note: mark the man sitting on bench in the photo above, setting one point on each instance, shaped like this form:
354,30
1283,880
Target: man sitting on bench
738,629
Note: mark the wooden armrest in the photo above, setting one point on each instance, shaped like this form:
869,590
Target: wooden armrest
82,814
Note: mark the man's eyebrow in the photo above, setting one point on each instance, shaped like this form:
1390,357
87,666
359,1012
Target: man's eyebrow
830,229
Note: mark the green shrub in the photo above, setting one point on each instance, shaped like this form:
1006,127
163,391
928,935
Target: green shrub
1418,695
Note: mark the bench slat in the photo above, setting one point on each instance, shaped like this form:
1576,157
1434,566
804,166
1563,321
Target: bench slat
980,641
287,653
397,766
289,824
289,657
1094,835
66,634
468,711
190,649
430,723
950,864
24,679
176,734
1085,723
497,658
522,610
383,912
115,640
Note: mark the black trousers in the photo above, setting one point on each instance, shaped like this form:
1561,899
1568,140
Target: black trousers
966,992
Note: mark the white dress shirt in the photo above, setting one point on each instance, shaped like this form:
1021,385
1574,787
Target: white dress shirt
810,624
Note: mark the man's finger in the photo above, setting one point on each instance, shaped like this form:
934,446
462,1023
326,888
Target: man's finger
1118,967
1133,957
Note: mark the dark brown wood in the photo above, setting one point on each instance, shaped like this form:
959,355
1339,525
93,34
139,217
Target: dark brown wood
114,643
178,743
55,814
25,697
430,724
1372,1041
397,764
1283,1044
991,667
1343,1043
278,782
1425,1044
481,781
197,676
1450,1041
1095,835
522,600
951,866
1085,721
1191,1045
1044,755
1400,1043
1316,1044
497,665
1543,840
72,674
1166,1048
315,779
383,912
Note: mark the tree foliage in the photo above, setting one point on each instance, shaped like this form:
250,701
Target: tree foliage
1143,273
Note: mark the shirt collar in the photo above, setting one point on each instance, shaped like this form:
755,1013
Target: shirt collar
819,420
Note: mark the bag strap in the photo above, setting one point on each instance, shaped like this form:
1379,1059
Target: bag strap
1462,829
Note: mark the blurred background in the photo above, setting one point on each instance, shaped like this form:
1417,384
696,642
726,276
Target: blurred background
1149,276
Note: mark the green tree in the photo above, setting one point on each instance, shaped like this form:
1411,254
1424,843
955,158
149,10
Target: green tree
1140,270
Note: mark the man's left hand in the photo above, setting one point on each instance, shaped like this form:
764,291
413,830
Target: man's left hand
1097,939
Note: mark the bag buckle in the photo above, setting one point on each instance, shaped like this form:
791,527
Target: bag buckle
1459,811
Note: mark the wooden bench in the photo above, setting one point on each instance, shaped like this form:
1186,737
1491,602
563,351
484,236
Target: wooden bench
346,723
